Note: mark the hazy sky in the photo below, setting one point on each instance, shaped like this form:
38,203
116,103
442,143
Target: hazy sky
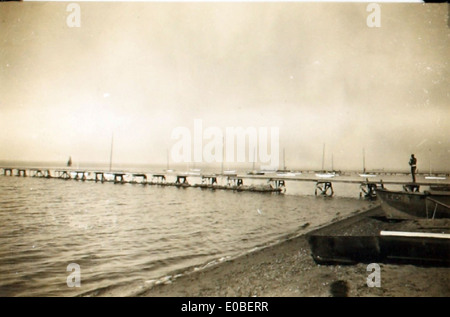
316,71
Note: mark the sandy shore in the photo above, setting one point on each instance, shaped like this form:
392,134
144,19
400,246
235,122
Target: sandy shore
287,269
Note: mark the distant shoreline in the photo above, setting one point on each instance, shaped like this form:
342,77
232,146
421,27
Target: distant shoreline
183,167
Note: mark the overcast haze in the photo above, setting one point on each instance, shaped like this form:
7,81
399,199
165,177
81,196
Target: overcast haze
316,71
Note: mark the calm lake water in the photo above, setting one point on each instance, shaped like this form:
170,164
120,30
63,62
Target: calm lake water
125,236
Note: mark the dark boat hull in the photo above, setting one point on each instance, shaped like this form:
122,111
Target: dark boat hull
370,238
328,249
344,249
414,205
425,249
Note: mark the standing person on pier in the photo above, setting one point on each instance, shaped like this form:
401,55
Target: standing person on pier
413,164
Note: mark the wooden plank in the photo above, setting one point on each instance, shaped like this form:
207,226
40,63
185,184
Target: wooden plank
278,177
414,234
337,180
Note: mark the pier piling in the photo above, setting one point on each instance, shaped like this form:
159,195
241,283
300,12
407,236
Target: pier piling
160,179
63,174
209,180
80,175
368,190
119,178
142,176
411,187
40,173
102,176
182,181
234,181
324,188
21,172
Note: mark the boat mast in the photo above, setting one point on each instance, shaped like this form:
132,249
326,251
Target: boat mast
323,158
364,160
111,153
332,167
284,159
430,161
223,154
167,159
254,158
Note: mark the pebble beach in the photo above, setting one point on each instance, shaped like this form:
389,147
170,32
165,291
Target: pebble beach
287,269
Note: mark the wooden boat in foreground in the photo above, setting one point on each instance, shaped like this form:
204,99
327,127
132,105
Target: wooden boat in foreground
371,238
412,205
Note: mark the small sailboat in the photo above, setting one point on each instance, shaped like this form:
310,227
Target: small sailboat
336,173
364,173
69,162
194,171
326,175
323,173
111,152
285,171
254,171
168,169
436,177
227,172
430,176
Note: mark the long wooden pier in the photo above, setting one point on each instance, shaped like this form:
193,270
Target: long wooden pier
270,183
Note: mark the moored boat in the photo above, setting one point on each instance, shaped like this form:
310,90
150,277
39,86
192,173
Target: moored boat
435,177
364,173
367,175
326,174
412,205
323,173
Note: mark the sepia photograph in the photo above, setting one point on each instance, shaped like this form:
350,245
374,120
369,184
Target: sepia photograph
241,151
